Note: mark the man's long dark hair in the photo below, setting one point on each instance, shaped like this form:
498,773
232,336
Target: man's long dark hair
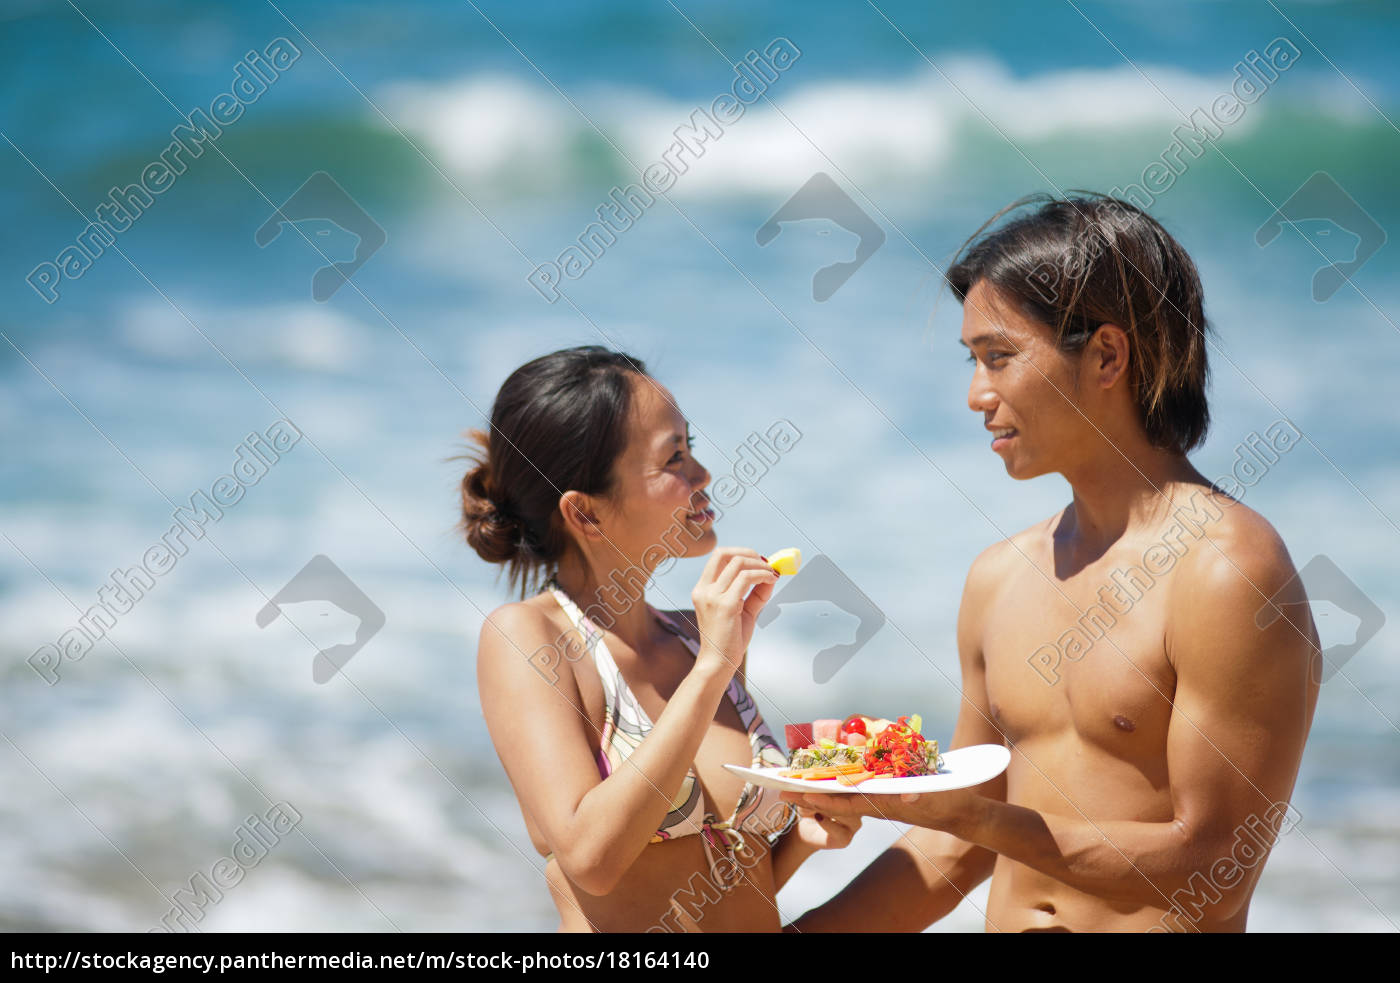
1079,262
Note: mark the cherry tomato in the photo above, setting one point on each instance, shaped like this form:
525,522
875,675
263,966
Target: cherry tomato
854,725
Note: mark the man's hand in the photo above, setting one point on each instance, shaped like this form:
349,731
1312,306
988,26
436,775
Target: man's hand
948,811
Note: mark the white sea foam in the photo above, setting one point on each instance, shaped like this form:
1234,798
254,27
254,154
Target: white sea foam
485,126
501,129
306,335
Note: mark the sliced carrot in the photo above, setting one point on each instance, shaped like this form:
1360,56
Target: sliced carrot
820,773
854,779
831,771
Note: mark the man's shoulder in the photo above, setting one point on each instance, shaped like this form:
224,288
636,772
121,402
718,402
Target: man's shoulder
997,559
1001,562
1235,564
1229,589
1222,539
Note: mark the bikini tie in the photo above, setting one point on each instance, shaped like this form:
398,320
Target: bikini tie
734,843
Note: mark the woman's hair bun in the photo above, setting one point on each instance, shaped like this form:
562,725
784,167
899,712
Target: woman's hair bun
490,529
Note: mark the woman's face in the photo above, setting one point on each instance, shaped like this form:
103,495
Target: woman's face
658,507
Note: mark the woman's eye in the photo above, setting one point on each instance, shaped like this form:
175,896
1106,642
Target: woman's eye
991,358
679,455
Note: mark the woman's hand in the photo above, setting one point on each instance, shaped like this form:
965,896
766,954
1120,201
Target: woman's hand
813,831
824,832
733,588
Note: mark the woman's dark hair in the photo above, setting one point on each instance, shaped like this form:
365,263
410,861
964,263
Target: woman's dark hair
558,424
1083,261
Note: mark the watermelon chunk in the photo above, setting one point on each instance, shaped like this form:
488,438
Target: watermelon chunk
826,730
799,736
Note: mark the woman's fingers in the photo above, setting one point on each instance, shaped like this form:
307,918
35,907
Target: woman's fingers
735,586
723,555
849,823
836,831
760,595
717,559
832,805
741,561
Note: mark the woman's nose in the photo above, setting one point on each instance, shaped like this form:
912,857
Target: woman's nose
980,397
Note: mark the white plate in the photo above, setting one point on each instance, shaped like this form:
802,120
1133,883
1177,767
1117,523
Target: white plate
963,768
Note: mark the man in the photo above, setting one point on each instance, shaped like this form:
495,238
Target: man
1155,729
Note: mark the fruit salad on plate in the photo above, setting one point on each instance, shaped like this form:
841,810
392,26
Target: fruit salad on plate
859,748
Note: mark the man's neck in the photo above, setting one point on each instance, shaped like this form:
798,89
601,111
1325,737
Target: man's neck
1122,490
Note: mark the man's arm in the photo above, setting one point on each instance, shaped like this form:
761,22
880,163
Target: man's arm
1243,704
927,873
917,881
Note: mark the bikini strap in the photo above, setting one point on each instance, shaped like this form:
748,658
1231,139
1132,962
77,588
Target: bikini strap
670,625
614,690
622,710
590,634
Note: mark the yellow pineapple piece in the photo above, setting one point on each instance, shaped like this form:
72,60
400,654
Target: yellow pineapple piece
786,561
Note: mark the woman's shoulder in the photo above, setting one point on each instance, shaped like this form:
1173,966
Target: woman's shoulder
532,610
524,643
521,624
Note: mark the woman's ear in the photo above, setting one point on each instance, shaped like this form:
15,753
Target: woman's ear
1108,354
580,515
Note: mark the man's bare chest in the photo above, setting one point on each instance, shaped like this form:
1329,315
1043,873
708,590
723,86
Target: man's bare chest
1085,655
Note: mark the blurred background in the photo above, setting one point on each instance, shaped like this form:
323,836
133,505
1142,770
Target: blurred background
482,138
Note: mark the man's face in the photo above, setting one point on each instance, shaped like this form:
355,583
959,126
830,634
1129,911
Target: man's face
1024,387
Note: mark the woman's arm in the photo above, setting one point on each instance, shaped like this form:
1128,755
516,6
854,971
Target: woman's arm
789,854
542,733
598,827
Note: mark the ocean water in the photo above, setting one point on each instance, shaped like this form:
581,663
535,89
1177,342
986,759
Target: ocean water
482,138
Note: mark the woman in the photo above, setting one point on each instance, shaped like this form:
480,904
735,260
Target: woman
614,719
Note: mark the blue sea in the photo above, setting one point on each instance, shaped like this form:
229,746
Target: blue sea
483,139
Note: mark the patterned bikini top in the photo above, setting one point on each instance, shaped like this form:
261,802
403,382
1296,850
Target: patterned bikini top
626,725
